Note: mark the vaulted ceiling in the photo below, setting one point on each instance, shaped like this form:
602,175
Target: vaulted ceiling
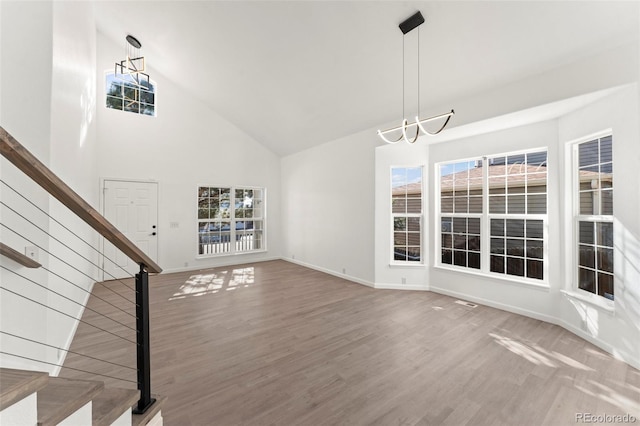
294,74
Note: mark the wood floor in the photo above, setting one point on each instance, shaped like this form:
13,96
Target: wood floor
274,343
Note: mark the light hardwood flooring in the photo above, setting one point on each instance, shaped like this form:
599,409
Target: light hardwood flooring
274,343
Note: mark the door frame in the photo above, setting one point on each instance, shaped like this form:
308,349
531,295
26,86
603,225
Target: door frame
102,212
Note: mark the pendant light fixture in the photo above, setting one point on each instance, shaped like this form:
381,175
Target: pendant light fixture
406,26
131,69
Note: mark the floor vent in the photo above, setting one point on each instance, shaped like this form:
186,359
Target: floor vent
465,303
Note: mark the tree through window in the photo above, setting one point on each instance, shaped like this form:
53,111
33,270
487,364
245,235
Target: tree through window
230,220
128,96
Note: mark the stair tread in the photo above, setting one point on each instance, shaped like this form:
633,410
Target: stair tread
111,403
18,384
143,419
63,397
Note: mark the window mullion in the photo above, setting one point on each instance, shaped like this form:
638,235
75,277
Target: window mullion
484,223
232,218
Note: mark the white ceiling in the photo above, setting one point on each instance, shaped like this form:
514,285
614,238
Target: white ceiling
295,74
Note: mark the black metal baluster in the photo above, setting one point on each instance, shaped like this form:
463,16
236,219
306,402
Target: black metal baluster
143,347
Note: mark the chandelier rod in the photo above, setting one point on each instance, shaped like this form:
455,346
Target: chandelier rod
406,26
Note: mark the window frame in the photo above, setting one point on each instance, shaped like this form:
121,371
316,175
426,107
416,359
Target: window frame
154,85
232,219
485,222
543,217
577,217
393,216
453,215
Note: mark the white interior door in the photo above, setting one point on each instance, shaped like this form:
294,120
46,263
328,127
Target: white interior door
132,207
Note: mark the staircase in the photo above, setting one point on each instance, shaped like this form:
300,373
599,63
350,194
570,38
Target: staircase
32,397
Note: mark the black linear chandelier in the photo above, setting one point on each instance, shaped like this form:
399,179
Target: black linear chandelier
406,26
131,69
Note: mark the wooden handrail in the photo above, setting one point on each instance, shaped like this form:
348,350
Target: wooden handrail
17,154
15,255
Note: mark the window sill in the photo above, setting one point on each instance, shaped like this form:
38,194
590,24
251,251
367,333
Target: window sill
406,265
510,279
213,256
604,304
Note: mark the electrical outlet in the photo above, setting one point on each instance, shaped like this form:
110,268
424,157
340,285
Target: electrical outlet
404,280
293,256
186,264
31,252
344,270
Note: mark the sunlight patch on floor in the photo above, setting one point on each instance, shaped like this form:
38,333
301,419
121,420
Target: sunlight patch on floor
537,354
562,358
611,396
522,350
214,282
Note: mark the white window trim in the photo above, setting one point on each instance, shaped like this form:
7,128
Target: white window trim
438,222
406,263
485,221
508,279
575,290
592,299
232,229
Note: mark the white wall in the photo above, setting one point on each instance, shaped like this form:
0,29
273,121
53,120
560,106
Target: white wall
618,330
398,155
327,207
73,157
25,104
50,110
186,145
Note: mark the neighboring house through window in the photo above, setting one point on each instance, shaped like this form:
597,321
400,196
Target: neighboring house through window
461,190
593,219
506,195
406,214
517,213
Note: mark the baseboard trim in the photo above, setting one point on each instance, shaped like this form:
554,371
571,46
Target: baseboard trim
497,305
330,272
413,287
622,356
196,268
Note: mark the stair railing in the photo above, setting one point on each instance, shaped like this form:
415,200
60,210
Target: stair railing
26,162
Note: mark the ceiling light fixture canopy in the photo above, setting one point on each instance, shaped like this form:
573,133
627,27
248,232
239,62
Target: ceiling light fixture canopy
414,21
132,68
